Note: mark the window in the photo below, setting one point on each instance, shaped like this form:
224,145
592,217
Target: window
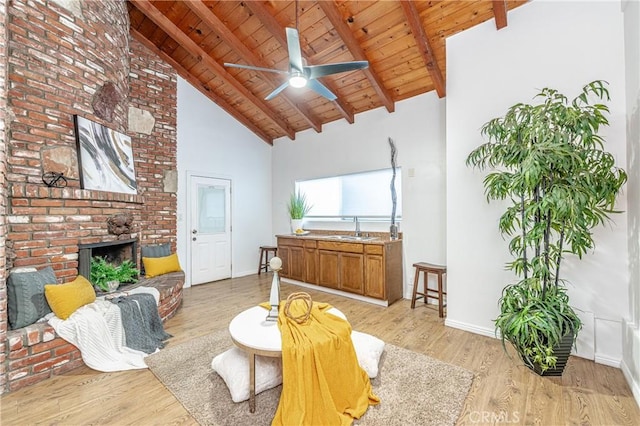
365,195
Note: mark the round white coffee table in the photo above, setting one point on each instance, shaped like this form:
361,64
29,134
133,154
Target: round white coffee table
253,334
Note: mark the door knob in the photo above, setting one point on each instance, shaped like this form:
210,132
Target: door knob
193,239
195,231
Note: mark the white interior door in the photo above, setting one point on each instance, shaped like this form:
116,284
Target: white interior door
210,230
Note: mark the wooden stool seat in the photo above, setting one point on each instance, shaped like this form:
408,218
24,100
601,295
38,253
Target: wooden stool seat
264,257
429,293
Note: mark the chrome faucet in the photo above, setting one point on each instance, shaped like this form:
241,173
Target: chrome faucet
358,233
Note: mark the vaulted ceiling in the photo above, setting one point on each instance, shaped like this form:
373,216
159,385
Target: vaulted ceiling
404,42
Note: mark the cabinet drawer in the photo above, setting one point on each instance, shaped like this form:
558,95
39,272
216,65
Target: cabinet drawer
373,248
338,246
310,243
290,242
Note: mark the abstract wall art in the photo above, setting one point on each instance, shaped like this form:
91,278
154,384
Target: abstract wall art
105,157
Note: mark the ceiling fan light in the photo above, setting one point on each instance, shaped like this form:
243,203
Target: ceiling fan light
297,81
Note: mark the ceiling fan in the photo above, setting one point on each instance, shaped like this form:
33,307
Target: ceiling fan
301,75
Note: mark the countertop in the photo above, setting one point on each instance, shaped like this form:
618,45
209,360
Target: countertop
379,238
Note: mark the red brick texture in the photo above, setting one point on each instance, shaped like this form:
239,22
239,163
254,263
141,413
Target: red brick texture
57,62
35,353
3,190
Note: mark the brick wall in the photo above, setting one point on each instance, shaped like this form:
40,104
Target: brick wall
3,189
58,60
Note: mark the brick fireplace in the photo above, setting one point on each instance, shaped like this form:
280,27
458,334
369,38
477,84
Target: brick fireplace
113,251
60,63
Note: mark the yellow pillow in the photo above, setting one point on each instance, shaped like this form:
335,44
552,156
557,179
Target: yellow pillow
154,266
65,299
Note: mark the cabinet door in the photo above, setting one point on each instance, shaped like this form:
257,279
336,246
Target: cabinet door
374,276
328,269
311,265
296,263
351,272
283,254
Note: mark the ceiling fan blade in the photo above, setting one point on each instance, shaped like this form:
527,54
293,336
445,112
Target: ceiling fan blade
277,91
315,71
295,53
249,67
321,89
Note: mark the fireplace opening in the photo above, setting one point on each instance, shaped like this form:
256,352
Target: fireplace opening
113,251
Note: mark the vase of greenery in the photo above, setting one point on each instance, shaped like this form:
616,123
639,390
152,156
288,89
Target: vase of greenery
548,162
107,276
298,208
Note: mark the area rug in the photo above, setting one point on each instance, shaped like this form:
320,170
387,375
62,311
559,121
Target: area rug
414,389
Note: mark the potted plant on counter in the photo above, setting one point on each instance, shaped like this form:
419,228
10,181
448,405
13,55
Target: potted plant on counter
548,163
108,277
298,208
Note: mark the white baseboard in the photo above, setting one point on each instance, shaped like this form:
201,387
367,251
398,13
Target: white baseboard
606,360
489,332
235,274
634,385
483,331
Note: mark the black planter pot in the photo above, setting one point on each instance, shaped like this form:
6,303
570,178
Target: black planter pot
561,351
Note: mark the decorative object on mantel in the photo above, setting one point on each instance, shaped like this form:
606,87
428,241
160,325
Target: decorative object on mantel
54,179
105,157
61,159
298,208
120,223
105,101
274,298
393,229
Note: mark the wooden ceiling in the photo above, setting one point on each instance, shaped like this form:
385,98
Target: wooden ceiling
404,42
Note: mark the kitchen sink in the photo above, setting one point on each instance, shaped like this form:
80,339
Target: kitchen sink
354,238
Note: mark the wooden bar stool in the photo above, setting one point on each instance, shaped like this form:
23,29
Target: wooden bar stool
429,293
264,257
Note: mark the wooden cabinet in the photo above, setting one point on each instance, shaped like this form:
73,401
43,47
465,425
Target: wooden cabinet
329,269
352,272
291,251
371,270
374,272
311,261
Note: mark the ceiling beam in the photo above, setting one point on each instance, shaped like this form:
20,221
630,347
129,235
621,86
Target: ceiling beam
194,49
200,86
213,22
331,11
420,36
500,13
260,10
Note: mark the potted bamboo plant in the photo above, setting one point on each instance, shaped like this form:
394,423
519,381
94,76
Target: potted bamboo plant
548,162
298,208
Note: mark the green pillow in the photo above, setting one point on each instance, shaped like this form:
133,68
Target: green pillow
26,302
156,250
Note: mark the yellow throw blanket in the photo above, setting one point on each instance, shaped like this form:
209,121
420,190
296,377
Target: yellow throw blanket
322,382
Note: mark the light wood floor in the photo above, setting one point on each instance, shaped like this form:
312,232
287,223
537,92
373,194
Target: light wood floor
503,391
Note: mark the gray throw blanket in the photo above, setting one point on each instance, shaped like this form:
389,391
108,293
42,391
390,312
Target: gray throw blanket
141,322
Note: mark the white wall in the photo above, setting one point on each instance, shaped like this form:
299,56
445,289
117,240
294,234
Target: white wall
417,128
213,143
563,45
631,331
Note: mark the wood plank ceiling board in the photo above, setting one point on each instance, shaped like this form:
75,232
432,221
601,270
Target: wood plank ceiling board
225,36
424,46
199,36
